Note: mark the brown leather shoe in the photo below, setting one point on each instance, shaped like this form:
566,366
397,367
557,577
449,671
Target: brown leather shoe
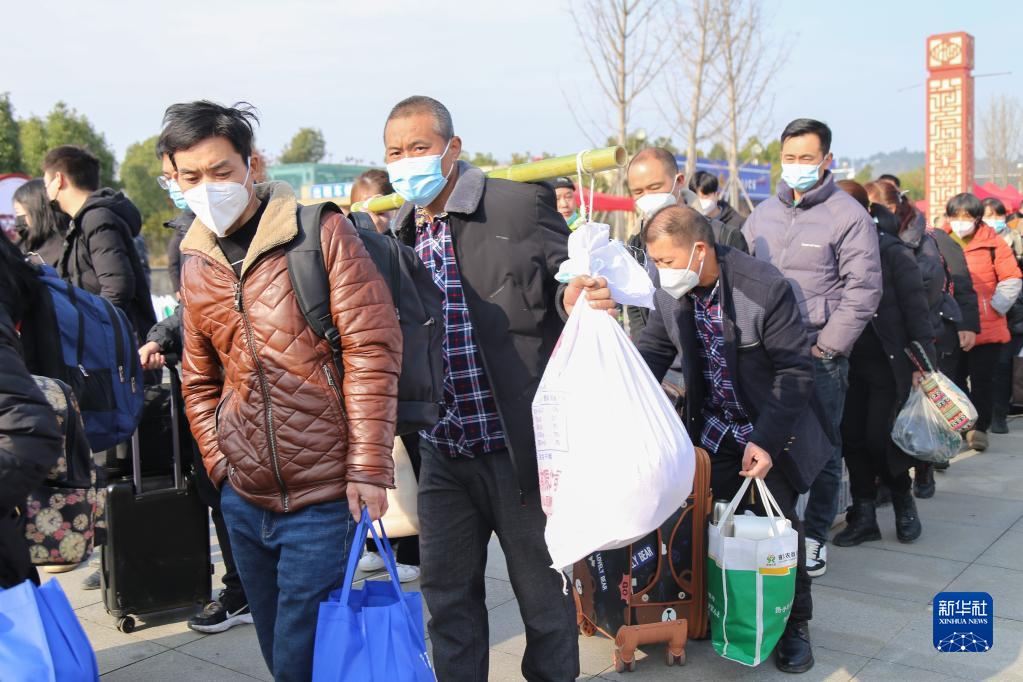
977,440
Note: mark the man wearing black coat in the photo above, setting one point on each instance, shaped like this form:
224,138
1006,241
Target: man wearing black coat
100,254
493,248
736,325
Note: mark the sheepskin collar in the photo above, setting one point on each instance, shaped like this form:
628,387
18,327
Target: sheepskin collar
278,226
464,198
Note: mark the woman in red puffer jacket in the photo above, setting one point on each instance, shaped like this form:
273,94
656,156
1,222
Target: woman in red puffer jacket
997,281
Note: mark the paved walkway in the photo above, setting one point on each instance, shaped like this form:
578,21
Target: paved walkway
873,614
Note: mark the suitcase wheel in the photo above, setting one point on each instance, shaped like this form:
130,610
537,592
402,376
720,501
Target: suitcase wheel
671,659
586,628
621,665
126,624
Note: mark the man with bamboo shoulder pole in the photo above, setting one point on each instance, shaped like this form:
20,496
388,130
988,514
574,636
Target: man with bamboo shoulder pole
735,323
493,248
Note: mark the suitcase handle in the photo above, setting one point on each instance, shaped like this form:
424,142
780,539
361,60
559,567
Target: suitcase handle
136,456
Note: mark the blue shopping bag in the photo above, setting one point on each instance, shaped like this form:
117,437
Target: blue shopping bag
374,634
24,653
70,650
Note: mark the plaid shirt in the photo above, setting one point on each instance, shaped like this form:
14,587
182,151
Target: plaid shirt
722,411
470,425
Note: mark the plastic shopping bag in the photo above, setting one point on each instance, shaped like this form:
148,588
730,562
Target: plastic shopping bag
374,634
750,582
70,650
921,431
614,458
24,652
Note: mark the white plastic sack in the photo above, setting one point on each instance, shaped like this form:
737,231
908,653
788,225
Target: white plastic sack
614,458
591,253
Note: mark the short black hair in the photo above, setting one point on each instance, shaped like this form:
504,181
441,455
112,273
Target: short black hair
809,126
894,179
372,182
703,182
189,123
964,203
995,205
683,224
418,104
660,154
77,164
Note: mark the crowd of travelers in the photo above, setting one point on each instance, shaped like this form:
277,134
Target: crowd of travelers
786,330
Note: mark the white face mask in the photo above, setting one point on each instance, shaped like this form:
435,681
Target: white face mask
649,204
706,205
679,282
219,204
963,228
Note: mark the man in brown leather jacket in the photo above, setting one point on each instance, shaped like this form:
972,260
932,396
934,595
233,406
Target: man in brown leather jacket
296,447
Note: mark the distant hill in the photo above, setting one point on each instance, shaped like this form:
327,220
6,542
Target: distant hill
896,162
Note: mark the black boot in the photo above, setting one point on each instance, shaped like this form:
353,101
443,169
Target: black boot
923,481
860,524
793,653
999,422
907,521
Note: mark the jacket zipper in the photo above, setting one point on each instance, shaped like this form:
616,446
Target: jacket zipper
337,392
268,412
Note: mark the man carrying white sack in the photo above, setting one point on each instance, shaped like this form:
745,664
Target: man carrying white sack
749,377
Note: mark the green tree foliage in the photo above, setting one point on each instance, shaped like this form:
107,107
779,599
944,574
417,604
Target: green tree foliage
865,175
913,183
481,159
10,144
64,125
307,146
139,171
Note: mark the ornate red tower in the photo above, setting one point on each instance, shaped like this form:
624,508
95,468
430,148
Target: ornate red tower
949,118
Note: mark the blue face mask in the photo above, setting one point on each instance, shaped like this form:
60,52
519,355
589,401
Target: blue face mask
176,195
997,225
418,179
800,176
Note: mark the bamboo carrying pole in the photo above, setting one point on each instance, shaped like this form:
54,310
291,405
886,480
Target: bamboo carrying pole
593,161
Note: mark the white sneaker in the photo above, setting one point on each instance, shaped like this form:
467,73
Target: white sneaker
816,558
370,562
407,574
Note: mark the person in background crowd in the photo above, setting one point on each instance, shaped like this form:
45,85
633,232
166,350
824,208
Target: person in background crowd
751,415
371,184
179,223
996,279
100,254
30,439
299,448
825,243
711,204
655,182
41,226
995,216
564,193
880,378
503,311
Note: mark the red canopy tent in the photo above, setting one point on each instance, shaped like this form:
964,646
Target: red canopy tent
605,202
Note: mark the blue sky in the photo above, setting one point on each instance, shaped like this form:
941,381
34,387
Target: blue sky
501,67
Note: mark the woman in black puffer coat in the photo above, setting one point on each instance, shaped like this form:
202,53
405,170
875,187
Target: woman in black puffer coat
30,441
880,378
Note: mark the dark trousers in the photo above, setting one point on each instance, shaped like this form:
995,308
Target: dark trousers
725,465
1002,401
977,370
867,421
234,593
949,350
462,502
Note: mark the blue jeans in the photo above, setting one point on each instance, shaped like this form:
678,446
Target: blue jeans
288,563
831,380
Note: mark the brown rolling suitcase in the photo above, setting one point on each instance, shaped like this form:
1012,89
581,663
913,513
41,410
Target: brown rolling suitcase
655,589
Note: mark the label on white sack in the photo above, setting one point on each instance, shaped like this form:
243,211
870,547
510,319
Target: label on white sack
550,426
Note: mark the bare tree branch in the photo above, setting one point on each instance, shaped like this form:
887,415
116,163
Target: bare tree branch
1001,128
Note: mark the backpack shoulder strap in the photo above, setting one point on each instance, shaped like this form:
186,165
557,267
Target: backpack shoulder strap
308,274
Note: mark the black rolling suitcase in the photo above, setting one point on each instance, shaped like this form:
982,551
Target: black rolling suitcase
157,552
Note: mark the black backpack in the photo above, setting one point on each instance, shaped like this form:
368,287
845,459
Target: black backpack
417,301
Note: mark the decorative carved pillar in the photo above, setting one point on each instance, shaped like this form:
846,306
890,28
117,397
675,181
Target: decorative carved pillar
949,119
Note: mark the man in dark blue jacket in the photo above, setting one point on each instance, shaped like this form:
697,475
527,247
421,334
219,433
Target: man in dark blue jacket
736,325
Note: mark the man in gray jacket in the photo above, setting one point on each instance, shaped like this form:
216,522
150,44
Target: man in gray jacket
826,246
